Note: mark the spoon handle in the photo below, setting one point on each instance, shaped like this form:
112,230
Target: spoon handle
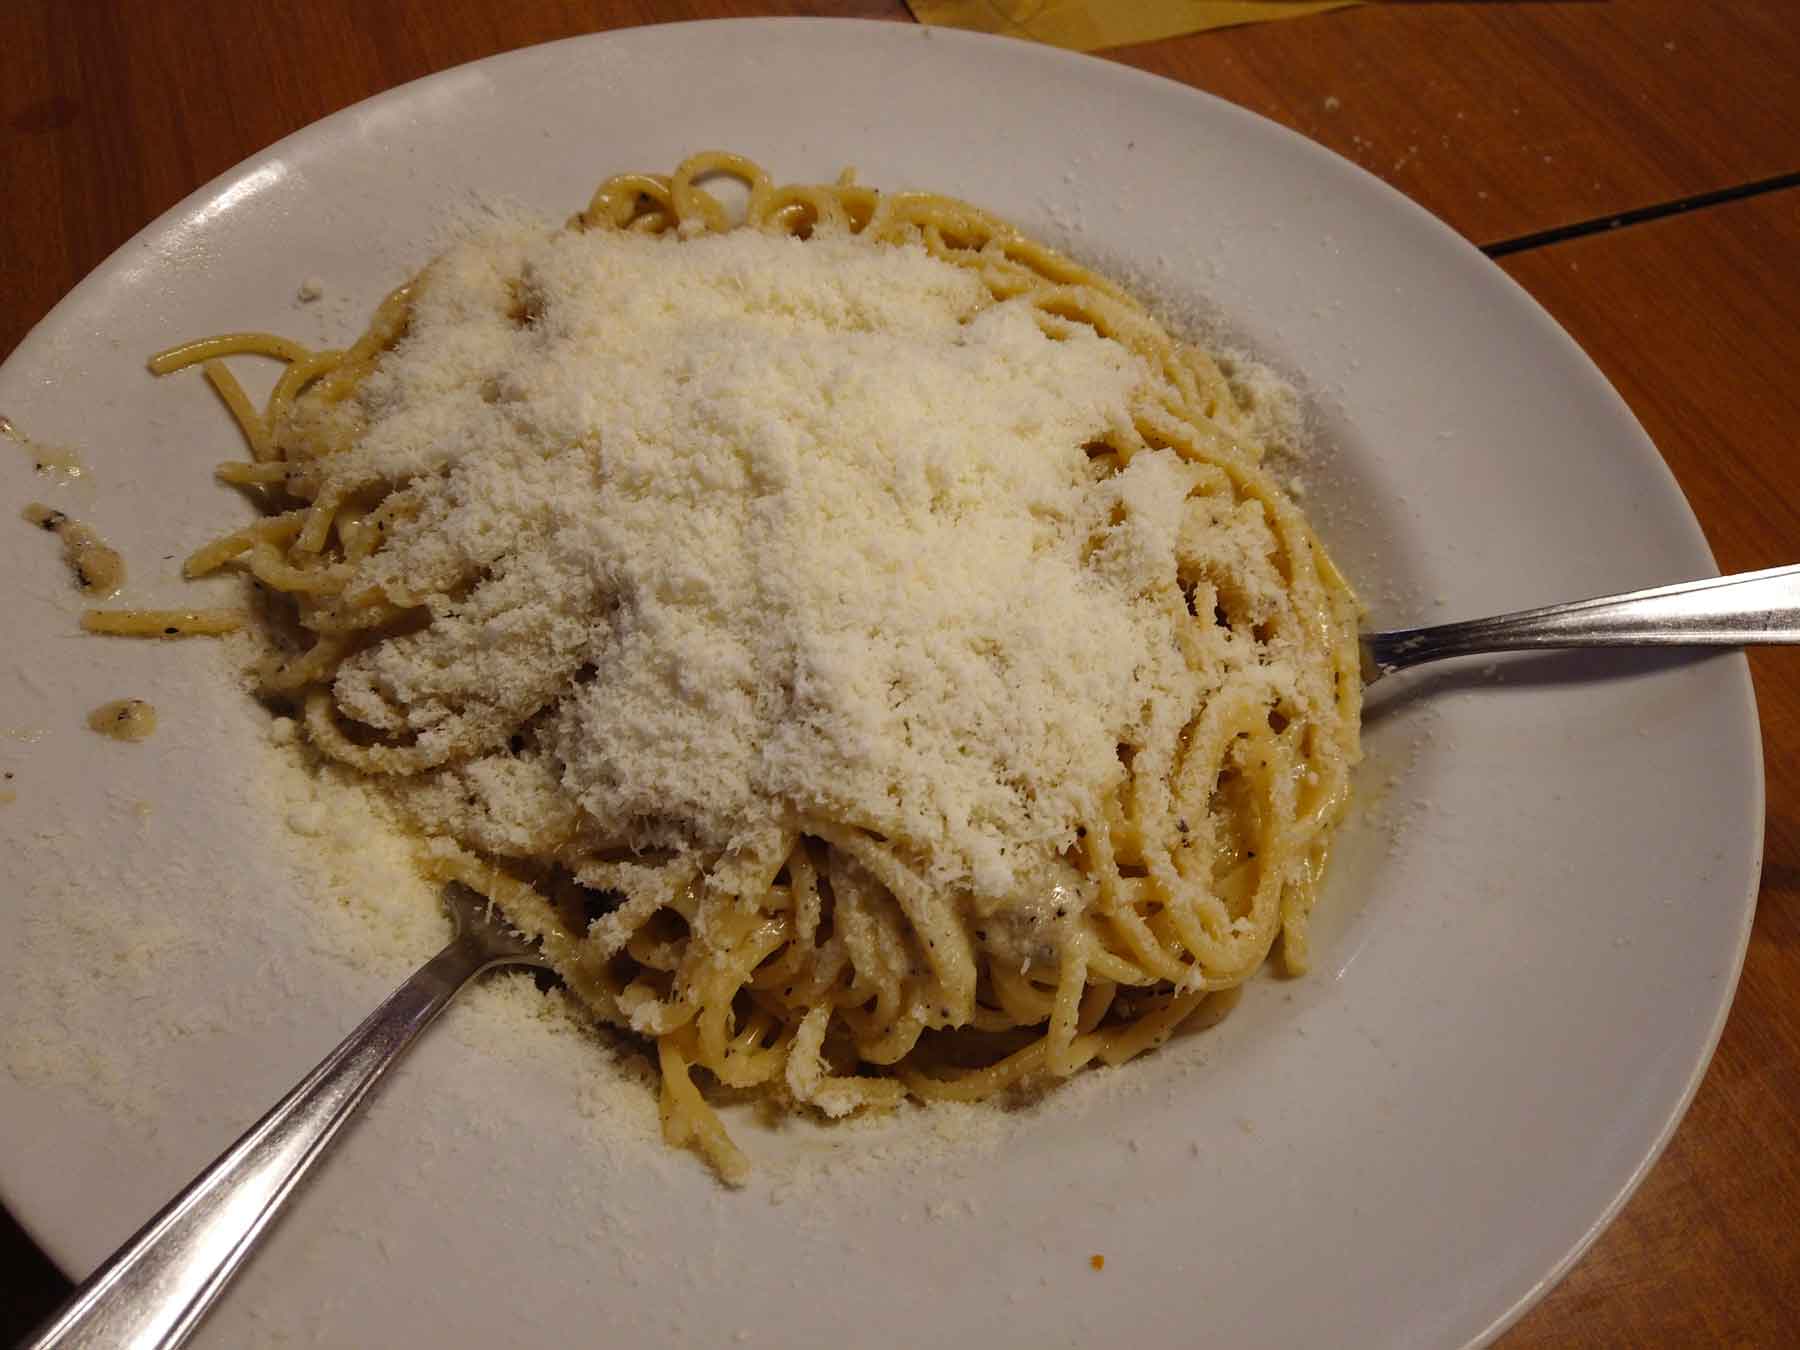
154,1289
1743,610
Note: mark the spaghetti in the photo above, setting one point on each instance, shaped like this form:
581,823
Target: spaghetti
831,959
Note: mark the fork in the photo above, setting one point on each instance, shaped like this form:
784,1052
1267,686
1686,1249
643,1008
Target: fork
154,1290
1747,609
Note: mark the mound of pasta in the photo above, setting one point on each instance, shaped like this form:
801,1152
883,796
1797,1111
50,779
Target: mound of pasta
862,644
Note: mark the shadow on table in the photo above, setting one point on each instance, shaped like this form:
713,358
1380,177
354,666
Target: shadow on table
31,1287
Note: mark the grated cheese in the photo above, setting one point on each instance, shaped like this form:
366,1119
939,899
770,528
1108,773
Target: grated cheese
816,518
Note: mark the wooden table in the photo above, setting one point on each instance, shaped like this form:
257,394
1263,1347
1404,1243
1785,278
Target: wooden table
1636,165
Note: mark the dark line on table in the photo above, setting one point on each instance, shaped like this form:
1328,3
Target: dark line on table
1602,224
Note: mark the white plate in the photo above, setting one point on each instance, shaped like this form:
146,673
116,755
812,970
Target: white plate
1526,956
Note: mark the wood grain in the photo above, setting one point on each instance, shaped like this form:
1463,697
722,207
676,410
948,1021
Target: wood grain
1504,119
1508,119
1692,321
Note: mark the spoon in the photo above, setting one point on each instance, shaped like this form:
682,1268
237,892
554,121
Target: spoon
154,1290
1747,609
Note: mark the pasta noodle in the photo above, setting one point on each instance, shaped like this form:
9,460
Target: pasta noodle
820,963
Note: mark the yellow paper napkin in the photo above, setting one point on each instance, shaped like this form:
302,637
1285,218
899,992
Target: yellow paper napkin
1088,25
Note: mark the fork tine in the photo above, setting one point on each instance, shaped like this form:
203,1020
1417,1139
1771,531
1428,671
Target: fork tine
478,919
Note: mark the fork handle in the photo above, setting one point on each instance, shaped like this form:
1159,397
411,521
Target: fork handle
1742,610
153,1290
